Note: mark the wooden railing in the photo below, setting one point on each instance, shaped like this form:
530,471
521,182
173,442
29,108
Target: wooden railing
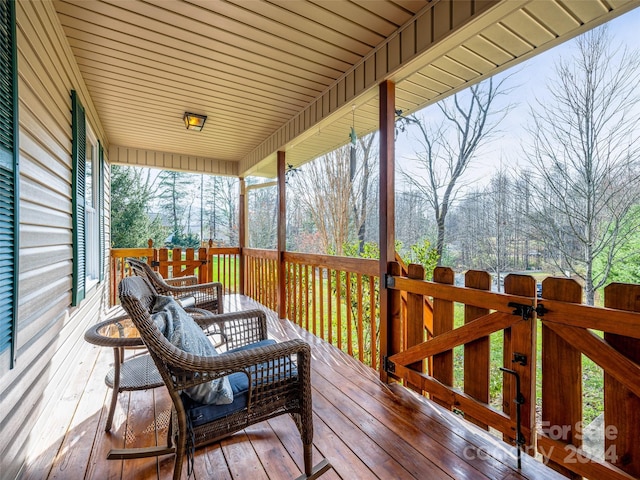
261,276
336,298
569,330
211,264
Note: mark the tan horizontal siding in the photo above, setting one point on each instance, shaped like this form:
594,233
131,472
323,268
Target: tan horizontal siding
171,161
49,332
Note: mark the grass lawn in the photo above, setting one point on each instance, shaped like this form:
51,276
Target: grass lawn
229,264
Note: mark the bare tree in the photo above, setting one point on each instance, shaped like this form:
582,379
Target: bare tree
501,224
361,177
413,222
584,150
174,198
323,188
221,208
262,222
470,118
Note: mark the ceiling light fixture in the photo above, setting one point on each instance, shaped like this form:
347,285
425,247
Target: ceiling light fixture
193,121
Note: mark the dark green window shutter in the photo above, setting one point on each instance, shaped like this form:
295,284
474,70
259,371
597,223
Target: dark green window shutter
79,152
101,208
9,153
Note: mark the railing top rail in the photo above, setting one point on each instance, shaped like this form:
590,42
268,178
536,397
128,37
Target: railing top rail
611,320
223,250
145,252
132,252
261,252
363,266
469,296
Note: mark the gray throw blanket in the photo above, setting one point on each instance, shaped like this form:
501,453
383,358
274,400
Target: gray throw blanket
183,332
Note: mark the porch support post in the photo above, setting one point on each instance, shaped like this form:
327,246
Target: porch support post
282,237
242,233
387,91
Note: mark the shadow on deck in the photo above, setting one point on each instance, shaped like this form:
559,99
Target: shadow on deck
365,428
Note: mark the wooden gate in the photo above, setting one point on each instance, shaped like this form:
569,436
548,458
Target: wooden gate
609,336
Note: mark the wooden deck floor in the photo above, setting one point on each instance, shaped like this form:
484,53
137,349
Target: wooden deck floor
366,429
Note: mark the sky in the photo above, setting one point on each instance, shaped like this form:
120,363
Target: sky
530,79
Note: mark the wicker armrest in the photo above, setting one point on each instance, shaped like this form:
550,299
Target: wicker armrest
238,328
205,294
210,287
182,281
189,370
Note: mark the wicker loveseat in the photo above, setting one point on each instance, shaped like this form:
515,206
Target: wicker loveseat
200,295
268,378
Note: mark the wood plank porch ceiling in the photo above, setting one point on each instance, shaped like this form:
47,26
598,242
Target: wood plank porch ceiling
281,74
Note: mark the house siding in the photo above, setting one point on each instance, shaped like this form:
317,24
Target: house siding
50,342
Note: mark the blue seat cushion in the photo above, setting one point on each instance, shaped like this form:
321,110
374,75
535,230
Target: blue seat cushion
200,413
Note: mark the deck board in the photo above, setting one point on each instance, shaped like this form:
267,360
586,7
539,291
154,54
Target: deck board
365,428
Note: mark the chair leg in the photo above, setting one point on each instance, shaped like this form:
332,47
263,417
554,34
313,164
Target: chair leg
180,433
117,361
170,428
112,407
312,472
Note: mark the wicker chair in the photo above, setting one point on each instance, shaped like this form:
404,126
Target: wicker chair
200,295
278,378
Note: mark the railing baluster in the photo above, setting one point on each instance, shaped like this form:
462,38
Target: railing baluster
360,329
442,323
251,280
313,299
562,367
163,258
374,327
306,295
415,321
621,405
523,341
477,353
299,302
289,290
190,256
348,308
294,297
321,296
339,307
329,307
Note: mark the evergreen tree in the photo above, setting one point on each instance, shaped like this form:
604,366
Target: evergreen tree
131,196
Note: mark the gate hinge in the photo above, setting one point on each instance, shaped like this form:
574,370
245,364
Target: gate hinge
155,263
388,365
389,281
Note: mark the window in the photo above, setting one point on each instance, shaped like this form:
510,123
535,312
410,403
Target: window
8,182
88,202
91,209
